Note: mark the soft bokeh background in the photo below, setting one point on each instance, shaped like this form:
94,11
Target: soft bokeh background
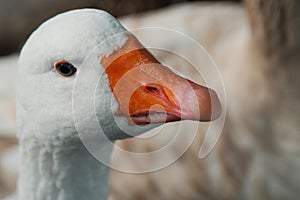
19,18
256,48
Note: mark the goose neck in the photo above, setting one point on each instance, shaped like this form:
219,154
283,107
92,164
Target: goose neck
52,169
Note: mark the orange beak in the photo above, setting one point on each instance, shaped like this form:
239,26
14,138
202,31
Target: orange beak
148,92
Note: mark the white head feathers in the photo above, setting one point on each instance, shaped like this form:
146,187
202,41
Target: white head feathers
44,99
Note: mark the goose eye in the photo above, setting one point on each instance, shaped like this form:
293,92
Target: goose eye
65,68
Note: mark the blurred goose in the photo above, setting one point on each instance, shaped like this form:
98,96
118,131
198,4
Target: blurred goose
134,94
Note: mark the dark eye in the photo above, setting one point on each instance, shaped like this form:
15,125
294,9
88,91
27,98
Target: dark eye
65,68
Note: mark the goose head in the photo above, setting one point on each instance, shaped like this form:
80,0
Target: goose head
134,92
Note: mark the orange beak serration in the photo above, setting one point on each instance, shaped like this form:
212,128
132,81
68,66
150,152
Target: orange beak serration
148,92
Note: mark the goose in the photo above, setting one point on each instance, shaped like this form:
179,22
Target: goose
65,58
256,156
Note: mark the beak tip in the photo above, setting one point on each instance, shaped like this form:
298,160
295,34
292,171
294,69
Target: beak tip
216,108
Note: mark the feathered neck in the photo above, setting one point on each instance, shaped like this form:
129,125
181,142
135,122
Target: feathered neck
61,170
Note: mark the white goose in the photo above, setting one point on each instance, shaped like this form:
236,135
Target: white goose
54,162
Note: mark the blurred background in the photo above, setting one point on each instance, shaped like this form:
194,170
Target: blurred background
255,44
19,18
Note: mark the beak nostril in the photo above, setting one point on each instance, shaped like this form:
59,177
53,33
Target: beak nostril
160,92
153,89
